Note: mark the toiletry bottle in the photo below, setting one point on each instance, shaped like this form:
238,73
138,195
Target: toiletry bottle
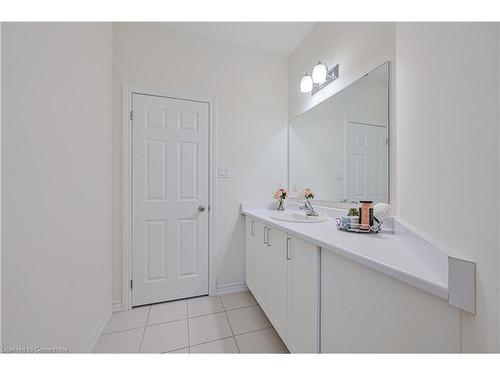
366,214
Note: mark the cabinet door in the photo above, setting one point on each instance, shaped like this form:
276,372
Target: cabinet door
274,276
257,259
365,311
250,259
303,297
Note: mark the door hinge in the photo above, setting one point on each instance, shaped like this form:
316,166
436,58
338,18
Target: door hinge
131,115
131,284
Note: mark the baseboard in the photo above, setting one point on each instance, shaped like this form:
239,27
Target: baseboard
96,333
117,306
231,288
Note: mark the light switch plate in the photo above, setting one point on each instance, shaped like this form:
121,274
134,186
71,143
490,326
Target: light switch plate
224,172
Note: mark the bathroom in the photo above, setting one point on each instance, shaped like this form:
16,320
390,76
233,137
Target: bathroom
250,187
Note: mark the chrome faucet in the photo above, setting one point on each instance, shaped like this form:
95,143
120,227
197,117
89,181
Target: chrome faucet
308,208
344,200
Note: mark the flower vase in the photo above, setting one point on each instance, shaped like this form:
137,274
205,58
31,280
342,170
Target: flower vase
280,206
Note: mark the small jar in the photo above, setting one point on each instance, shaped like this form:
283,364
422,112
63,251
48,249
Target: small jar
366,214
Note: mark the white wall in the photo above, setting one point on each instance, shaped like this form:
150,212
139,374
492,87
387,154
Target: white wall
448,151
56,175
358,47
251,93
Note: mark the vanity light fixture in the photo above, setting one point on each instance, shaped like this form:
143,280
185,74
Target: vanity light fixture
306,83
319,73
321,76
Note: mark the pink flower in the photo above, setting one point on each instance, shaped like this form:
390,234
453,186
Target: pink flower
308,193
280,194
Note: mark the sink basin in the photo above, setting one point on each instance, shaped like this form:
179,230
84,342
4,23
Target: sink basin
298,217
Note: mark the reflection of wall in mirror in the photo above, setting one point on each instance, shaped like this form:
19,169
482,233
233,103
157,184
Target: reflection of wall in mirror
317,139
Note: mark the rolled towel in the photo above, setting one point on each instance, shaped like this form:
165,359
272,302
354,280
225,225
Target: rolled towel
381,212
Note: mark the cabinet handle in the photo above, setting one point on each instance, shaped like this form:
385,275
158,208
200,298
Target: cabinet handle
288,255
253,227
268,236
265,237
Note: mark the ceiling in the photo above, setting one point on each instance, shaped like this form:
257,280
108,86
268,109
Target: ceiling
276,37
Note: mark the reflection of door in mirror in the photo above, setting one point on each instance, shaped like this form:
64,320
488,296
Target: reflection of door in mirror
366,162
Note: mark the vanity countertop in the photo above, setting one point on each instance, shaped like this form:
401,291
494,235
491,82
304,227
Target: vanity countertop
385,252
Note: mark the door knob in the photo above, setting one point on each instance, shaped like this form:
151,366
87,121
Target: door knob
201,208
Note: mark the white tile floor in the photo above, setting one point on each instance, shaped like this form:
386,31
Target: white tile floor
232,323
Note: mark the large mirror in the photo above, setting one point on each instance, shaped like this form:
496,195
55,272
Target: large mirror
339,148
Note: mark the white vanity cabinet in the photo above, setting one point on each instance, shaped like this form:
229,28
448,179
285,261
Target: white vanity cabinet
329,291
282,272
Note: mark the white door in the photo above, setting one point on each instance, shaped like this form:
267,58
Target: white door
169,199
366,164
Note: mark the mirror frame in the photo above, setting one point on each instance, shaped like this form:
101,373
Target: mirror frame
340,205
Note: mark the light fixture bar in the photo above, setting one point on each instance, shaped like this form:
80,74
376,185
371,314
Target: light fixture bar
331,76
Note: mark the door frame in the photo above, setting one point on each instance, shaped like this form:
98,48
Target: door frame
128,91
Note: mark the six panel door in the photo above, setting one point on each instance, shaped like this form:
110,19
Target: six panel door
169,192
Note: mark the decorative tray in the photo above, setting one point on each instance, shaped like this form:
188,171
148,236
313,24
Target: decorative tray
375,228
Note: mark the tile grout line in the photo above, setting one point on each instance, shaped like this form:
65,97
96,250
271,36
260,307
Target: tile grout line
169,321
211,313
121,330
256,330
222,302
144,331
229,322
234,336
187,323
172,351
208,342
242,307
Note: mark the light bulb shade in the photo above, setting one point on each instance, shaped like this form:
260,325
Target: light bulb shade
306,84
319,73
